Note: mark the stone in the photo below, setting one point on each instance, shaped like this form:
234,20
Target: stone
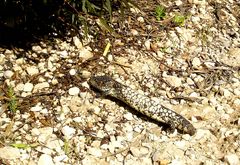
72,72
45,159
9,153
174,81
140,19
180,144
128,116
196,62
77,42
95,152
63,54
85,54
198,2
28,87
32,70
68,132
8,74
232,159
36,48
139,151
85,74
19,87
74,91
134,32
147,44
40,86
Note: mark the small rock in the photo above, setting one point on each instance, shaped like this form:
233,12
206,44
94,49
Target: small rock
28,87
19,87
139,152
196,62
178,2
32,70
8,74
110,57
140,19
128,116
85,74
36,108
40,86
9,153
134,32
174,81
198,2
68,132
77,42
180,144
55,144
74,91
147,44
36,48
45,159
85,54
63,54
232,159
95,152
72,72
190,81
226,92
2,59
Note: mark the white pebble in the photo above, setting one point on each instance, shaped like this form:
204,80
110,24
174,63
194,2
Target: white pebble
140,19
45,159
85,54
36,108
134,32
72,72
77,42
74,91
174,81
63,54
40,86
19,87
232,159
147,44
196,62
139,151
28,87
95,152
32,70
9,153
8,74
68,132
128,116
180,144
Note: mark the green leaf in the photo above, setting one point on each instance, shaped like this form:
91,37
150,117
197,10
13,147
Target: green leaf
20,145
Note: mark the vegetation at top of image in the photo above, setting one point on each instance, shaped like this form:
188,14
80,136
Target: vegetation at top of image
60,17
160,12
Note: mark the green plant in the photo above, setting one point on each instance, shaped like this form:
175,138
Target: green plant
66,147
160,12
12,101
24,146
179,20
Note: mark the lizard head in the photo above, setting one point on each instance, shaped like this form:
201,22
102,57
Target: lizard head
104,84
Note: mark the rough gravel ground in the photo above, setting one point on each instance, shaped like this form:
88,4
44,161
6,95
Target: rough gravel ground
191,68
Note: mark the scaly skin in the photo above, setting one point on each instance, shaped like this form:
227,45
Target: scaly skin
141,103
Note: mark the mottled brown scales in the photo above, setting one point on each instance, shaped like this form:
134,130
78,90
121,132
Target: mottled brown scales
141,103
